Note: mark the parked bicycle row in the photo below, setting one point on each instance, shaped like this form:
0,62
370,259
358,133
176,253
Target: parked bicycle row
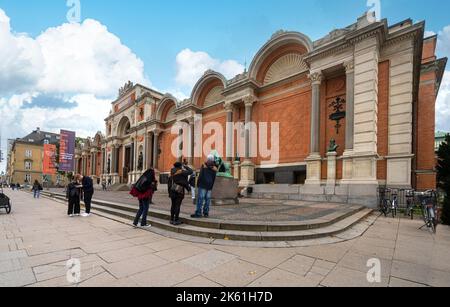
392,201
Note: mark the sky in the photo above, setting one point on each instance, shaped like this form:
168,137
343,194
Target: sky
58,71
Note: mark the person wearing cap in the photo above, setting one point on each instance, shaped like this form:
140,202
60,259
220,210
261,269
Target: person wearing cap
178,183
205,184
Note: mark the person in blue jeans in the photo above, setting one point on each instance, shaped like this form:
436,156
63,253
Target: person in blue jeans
37,188
205,185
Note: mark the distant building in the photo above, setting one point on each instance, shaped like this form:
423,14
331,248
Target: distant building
439,139
25,159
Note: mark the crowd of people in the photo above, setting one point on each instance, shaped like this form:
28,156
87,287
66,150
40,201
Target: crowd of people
182,179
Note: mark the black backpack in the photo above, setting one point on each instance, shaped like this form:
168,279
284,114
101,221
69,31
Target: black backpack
145,182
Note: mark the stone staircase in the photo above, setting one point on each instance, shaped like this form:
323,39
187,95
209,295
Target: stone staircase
230,230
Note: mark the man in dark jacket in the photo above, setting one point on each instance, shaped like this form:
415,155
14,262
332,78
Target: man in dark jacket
205,184
178,183
88,192
73,196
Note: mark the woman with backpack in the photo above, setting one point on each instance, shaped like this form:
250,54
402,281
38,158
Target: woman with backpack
143,190
37,188
178,183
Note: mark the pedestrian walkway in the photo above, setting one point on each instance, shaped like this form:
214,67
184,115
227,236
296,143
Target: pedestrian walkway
37,240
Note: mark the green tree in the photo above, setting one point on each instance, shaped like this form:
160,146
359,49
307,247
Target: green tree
443,170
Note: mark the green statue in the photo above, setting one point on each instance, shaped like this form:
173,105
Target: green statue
223,167
333,146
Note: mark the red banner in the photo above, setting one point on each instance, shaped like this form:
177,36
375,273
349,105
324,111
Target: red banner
49,167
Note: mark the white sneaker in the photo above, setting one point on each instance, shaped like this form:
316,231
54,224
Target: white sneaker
70,215
146,226
85,215
77,214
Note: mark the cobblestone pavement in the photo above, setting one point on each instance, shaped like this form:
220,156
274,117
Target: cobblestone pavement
248,209
37,240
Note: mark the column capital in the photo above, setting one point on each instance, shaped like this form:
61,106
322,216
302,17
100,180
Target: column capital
249,100
316,77
349,66
228,107
156,132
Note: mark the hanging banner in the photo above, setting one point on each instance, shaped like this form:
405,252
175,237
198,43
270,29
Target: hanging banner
49,167
67,151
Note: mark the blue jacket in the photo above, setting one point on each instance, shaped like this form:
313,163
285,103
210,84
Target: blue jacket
207,178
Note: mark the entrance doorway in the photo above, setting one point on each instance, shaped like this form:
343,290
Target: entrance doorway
126,165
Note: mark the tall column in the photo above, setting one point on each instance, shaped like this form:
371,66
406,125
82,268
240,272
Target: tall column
83,164
155,149
145,163
248,168
347,162
316,79
113,159
180,145
229,128
350,103
149,150
314,159
191,141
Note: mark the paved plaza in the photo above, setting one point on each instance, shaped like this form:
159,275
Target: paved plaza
38,239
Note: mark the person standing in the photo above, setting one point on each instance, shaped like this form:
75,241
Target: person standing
73,196
143,190
37,188
192,182
178,183
104,185
205,185
87,192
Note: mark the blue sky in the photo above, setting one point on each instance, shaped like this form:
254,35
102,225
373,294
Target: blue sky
232,29
54,74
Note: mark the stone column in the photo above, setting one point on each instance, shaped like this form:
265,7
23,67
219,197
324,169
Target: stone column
350,106
180,145
145,163
229,132
155,149
192,142
314,159
93,164
247,167
347,163
316,79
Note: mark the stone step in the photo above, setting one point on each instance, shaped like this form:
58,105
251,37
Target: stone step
242,235
234,231
230,225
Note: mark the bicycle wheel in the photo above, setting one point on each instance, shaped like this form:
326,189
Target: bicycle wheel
387,208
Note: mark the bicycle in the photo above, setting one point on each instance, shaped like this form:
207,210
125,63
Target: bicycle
429,209
394,203
410,205
384,202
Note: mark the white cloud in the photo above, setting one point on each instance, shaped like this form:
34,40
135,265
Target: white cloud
443,105
72,58
82,63
21,60
443,100
192,65
428,34
86,58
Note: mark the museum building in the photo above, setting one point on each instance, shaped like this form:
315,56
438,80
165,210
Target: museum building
356,110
